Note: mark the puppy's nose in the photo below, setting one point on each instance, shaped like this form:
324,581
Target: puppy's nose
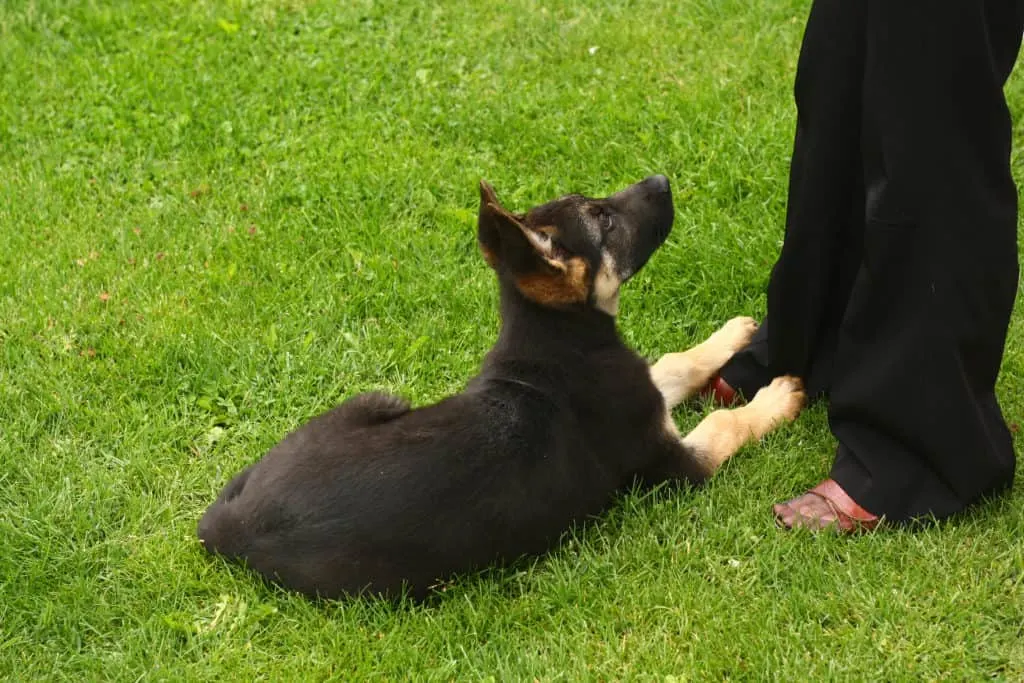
657,183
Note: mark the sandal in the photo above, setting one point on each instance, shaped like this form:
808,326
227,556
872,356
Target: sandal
826,506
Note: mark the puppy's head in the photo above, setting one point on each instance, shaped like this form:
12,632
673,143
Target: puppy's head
576,251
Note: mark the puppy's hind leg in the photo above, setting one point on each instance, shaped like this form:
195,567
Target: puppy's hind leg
722,433
680,375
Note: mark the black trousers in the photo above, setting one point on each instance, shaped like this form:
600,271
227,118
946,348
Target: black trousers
894,288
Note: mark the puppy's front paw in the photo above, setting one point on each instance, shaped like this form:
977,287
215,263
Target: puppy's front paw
782,400
735,334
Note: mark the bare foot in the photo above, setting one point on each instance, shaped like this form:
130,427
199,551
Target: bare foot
826,506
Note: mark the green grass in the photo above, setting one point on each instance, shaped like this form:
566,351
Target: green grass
220,218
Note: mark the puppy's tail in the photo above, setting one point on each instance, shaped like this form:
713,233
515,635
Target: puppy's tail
221,530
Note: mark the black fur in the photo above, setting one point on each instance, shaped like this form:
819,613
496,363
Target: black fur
376,497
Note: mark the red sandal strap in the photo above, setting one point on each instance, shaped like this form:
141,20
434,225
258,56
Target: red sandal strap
720,392
843,505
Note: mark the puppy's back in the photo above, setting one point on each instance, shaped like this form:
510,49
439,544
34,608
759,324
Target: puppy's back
344,505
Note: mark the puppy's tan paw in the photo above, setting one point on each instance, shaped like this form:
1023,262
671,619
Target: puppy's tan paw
782,400
735,334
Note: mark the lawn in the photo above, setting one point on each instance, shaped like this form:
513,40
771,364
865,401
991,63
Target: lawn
218,219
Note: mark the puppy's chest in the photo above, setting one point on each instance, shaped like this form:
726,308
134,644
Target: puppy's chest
620,401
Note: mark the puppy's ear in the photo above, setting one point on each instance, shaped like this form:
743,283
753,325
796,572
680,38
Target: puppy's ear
548,276
507,242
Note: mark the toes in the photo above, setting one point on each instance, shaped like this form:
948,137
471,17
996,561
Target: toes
744,321
738,331
784,515
790,383
805,512
795,398
747,325
784,397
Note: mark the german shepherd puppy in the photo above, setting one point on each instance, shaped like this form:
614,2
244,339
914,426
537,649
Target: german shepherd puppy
377,497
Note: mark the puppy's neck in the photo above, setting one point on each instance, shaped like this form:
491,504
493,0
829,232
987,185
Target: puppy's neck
528,327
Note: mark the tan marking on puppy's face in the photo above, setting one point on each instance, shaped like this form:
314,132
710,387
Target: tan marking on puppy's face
606,286
549,231
564,285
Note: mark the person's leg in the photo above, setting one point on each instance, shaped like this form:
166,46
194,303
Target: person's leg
811,280
912,401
